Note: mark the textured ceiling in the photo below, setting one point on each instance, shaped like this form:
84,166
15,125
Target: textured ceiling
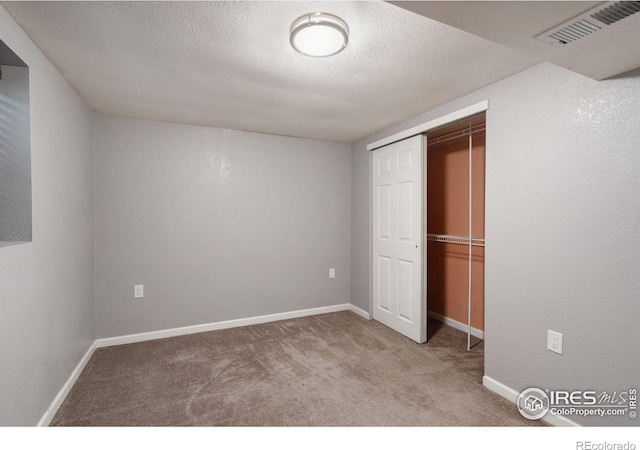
230,65
611,51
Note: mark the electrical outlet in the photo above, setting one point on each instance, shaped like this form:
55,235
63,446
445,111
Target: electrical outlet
554,341
138,291
332,273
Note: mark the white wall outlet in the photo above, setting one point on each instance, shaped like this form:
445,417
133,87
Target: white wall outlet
554,341
138,291
332,273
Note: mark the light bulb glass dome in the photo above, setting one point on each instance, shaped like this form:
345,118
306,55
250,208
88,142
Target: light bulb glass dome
319,35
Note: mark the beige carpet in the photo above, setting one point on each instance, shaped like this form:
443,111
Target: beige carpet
333,369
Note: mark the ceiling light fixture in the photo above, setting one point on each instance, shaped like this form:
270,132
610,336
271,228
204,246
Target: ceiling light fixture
319,35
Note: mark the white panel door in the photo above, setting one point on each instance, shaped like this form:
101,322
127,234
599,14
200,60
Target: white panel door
398,294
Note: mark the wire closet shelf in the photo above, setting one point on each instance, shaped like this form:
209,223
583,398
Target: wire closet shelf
476,130
453,239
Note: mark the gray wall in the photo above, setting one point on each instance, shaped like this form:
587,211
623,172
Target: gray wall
216,224
46,286
15,155
562,223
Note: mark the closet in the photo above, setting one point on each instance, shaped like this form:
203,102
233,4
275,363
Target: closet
455,195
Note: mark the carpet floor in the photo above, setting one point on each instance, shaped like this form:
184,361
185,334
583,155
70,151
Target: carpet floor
333,369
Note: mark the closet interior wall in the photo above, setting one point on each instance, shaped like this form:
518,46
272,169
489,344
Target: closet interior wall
447,213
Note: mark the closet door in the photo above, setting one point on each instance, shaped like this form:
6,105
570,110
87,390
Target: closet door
398,295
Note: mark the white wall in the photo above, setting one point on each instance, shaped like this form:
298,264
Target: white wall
562,224
46,286
216,224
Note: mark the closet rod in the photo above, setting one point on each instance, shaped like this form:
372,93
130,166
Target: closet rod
480,128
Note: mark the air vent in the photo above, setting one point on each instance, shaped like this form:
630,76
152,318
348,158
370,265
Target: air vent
617,11
575,31
589,22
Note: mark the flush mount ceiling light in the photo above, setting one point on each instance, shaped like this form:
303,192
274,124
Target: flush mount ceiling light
319,34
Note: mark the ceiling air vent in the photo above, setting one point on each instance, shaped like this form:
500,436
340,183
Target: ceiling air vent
589,22
617,11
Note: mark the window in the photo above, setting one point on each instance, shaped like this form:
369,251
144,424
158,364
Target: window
15,149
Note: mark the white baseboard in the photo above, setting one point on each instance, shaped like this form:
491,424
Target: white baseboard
50,413
160,334
455,324
500,389
360,312
512,396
